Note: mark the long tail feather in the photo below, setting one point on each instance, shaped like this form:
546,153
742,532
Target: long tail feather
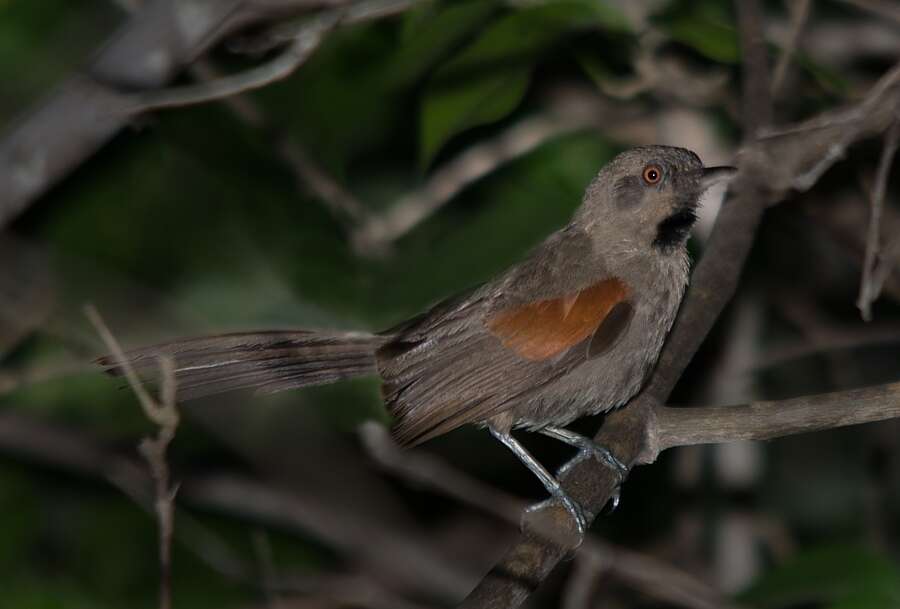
266,361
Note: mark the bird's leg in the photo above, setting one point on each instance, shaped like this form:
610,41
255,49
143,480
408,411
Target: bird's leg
550,483
587,449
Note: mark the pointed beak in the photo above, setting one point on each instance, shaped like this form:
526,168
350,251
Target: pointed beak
714,175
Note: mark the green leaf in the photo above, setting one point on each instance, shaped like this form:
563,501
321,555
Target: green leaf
430,33
451,110
713,39
488,79
846,576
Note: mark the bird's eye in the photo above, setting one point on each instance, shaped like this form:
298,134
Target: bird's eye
652,174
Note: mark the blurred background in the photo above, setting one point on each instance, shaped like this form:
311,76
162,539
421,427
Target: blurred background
415,149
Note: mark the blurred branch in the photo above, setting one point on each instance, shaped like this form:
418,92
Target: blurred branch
822,335
387,551
799,10
882,8
645,573
338,591
768,169
89,108
757,96
306,40
846,222
262,547
308,174
164,414
470,166
873,277
568,114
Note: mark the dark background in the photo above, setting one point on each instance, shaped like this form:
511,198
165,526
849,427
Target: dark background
198,219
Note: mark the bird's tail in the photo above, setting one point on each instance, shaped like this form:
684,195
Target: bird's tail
266,361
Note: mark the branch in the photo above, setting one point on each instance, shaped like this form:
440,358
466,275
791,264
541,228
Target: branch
570,114
89,108
768,168
757,96
386,550
164,414
774,419
799,10
881,8
308,175
473,164
870,287
307,40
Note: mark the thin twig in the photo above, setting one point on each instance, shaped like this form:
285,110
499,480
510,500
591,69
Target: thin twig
164,414
308,175
268,573
868,290
799,10
348,529
305,42
757,98
881,8
87,109
472,165
567,114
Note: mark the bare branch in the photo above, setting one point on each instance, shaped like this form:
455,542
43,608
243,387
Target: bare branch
298,51
799,10
434,473
757,98
568,114
775,419
151,409
262,546
386,551
89,108
308,174
472,165
882,8
868,289
165,416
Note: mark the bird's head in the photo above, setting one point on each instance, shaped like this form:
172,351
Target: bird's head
648,196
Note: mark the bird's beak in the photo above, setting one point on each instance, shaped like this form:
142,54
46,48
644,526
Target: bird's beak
714,175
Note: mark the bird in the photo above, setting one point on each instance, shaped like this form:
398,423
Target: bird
574,329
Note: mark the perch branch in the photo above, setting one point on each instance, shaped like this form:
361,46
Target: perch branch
766,420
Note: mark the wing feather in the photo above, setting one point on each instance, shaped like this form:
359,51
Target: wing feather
544,329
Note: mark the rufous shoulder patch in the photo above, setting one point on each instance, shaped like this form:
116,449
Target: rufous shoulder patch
545,328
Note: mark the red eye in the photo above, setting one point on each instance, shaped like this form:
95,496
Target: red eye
652,174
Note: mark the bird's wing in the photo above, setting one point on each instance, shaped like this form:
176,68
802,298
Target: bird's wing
474,356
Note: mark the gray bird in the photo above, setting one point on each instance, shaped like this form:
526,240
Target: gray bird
575,329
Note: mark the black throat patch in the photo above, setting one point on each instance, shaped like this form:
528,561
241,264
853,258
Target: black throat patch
674,230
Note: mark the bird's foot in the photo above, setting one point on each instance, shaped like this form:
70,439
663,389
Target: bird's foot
559,497
592,450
